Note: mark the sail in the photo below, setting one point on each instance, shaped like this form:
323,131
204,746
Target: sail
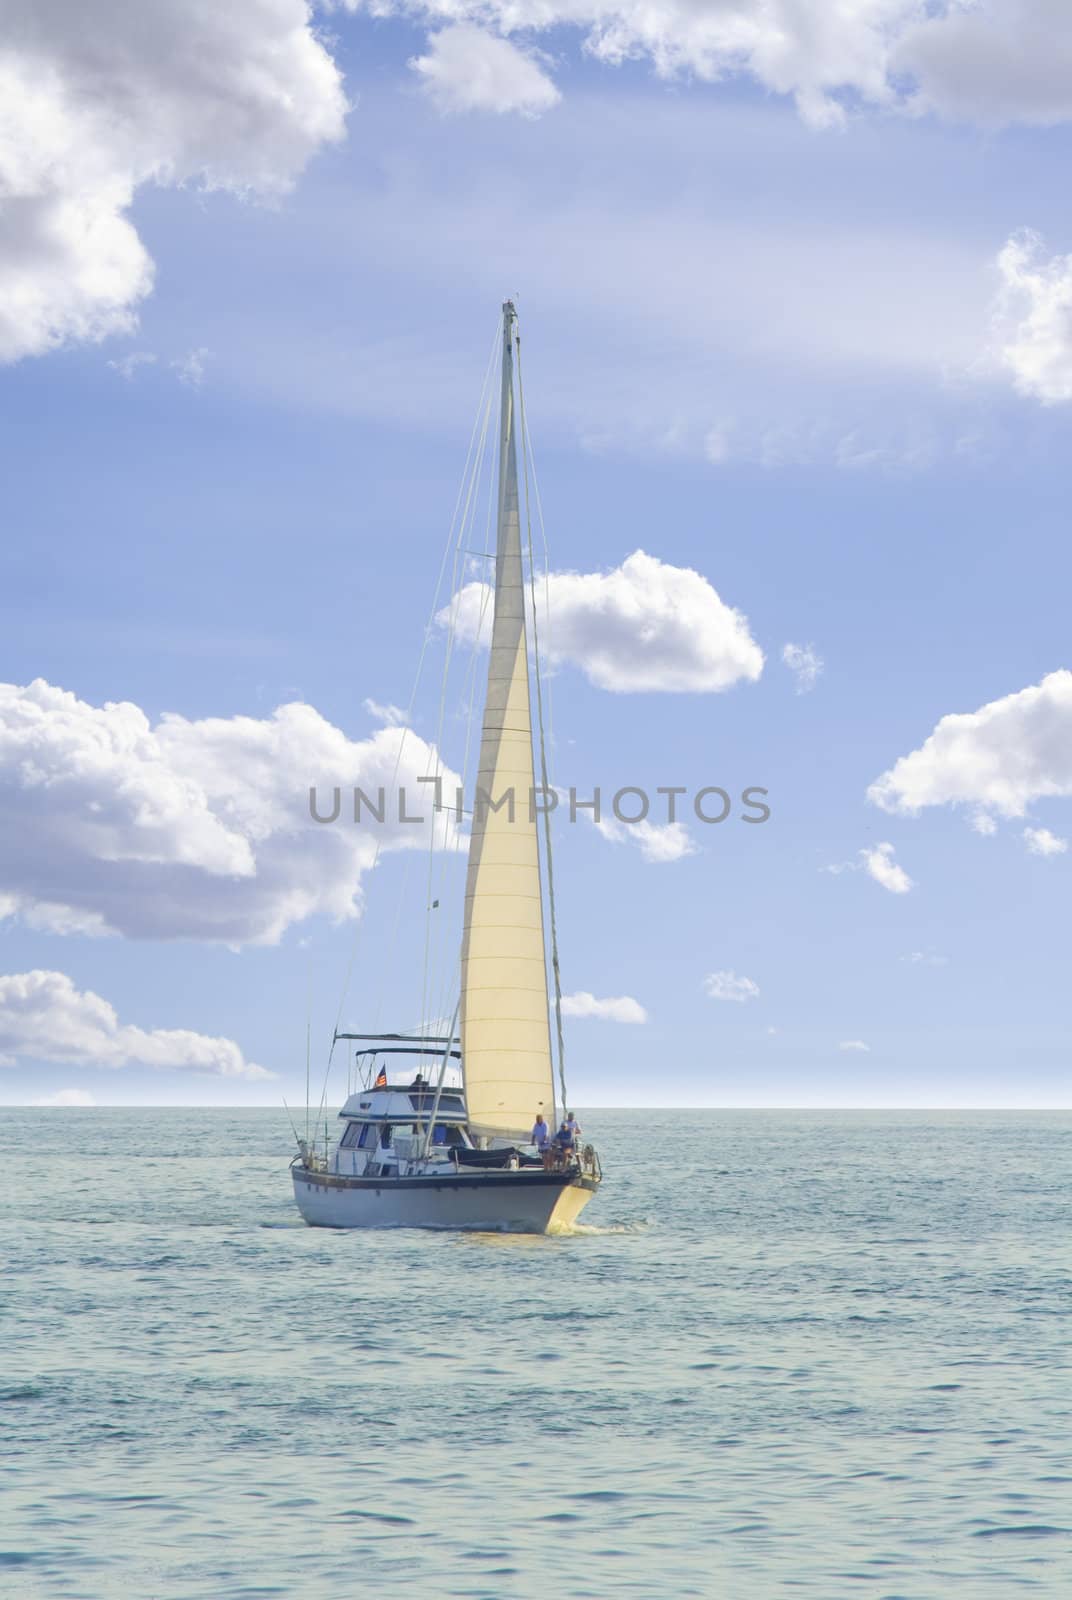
505,1031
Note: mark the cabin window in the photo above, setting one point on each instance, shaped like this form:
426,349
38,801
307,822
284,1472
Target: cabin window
352,1135
443,1135
368,1136
388,1131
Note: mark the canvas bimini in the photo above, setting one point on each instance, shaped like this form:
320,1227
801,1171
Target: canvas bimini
455,1150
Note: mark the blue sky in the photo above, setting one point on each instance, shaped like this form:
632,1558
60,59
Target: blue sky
803,362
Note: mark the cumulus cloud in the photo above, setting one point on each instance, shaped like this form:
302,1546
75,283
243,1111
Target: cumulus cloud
67,1097
645,626
877,861
992,61
45,1018
621,1008
804,663
1033,319
1041,842
657,841
195,829
235,96
728,986
468,69
998,759
879,864
854,1044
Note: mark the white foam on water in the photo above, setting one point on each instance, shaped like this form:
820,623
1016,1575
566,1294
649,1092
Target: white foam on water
593,1230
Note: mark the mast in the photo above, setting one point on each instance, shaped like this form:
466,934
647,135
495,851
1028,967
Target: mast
505,1027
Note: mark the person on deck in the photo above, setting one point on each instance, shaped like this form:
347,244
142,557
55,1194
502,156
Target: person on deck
574,1126
563,1143
541,1133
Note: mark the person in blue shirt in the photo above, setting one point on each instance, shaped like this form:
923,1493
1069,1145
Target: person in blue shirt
573,1125
541,1133
563,1142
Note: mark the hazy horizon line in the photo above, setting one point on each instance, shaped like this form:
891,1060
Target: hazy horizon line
169,1105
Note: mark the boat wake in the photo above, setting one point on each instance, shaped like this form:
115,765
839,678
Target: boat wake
585,1230
516,1238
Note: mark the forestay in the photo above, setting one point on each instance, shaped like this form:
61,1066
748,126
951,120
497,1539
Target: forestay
505,1033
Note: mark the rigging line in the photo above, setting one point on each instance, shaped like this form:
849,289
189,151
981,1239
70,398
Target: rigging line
544,780
468,694
413,692
471,674
546,569
290,1119
470,688
308,1037
448,654
483,474
439,1086
460,521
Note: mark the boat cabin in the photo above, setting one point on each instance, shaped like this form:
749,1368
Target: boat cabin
387,1128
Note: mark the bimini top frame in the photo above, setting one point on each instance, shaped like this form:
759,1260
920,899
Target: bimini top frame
412,1044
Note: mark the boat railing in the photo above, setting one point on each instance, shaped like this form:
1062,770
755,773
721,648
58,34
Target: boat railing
309,1158
590,1164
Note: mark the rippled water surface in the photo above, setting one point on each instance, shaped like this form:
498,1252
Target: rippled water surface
791,1353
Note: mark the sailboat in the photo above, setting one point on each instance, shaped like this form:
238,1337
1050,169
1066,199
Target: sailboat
455,1149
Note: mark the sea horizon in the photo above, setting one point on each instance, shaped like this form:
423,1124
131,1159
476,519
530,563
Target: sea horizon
664,1105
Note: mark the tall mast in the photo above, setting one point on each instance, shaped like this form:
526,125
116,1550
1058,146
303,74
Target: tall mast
505,1028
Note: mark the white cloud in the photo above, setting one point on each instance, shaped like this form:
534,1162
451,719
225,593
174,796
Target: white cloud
127,366
854,1044
45,1018
993,61
190,368
192,829
391,716
1041,842
657,842
232,96
925,958
469,69
67,1097
877,861
1033,319
621,1008
999,759
804,663
728,986
879,864
645,626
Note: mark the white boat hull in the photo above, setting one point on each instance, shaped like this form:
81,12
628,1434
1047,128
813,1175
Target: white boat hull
499,1201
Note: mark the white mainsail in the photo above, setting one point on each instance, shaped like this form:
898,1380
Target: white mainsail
505,1029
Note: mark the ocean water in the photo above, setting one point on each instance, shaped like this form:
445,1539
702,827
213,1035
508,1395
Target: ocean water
804,1354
